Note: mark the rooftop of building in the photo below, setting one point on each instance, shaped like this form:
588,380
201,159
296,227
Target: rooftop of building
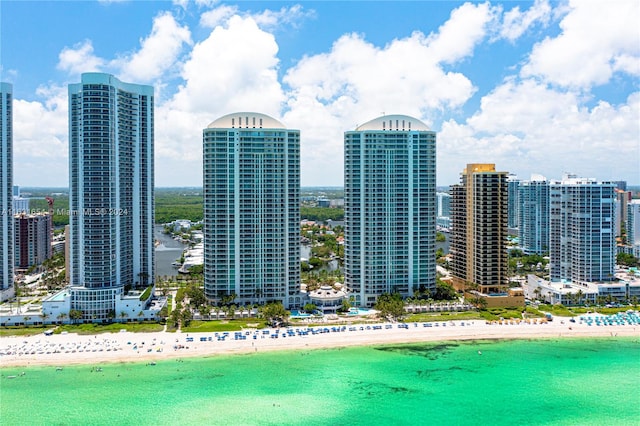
394,123
246,120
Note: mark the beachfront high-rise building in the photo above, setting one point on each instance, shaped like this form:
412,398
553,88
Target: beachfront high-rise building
622,200
443,211
111,198
633,224
444,204
390,212
479,229
513,203
533,215
251,210
32,239
6,191
582,245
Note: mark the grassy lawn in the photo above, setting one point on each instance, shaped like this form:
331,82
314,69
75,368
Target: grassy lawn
145,327
558,310
223,325
23,331
443,316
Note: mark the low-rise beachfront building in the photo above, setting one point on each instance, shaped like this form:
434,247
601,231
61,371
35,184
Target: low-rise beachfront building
626,287
327,299
55,309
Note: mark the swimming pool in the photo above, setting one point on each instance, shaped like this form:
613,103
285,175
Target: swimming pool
359,311
297,314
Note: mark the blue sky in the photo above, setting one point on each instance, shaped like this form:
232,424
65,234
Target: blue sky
534,87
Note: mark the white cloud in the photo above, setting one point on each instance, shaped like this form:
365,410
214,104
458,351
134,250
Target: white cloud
526,127
515,22
285,16
79,58
158,52
357,81
233,69
595,41
40,144
183,4
267,19
218,16
457,37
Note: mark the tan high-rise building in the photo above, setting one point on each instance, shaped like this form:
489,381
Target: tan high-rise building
479,230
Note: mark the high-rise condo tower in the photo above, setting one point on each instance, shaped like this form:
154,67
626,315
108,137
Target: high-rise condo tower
479,229
582,244
390,211
6,191
111,166
251,210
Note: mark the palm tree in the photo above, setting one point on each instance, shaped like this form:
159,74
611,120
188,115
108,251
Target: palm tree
44,316
537,292
123,315
61,317
75,315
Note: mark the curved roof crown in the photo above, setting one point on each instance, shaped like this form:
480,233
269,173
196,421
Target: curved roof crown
246,120
394,122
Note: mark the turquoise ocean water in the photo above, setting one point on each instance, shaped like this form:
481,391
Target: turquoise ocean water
522,382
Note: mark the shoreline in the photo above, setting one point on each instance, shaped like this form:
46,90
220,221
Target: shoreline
124,347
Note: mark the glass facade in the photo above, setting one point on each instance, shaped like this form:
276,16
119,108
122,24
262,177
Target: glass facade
390,208
6,188
251,210
582,233
513,201
111,185
533,216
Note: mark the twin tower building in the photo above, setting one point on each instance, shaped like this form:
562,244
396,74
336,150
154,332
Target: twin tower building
251,171
252,209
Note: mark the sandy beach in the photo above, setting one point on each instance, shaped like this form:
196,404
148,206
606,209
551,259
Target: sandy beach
67,349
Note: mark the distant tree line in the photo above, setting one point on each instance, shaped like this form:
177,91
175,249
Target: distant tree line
321,214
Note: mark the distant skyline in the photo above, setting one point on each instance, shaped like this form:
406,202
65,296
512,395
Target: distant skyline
534,87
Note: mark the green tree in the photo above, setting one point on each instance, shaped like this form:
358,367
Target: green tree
627,260
186,316
274,313
345,306
75,315
164,313
478,301
390,306
309,307
444,291
196,295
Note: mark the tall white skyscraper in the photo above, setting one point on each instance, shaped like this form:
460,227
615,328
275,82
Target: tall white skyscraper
513,203
111,200
251,210
533,215
6,191
582,232
390,211
633,223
